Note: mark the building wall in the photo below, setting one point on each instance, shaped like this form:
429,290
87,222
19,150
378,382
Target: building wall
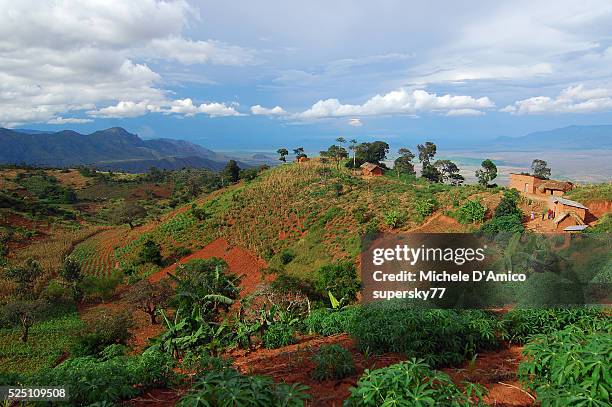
568,221
524,183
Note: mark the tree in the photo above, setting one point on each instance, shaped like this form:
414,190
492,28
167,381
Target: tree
149,297
431,173
449,171
487,173
25,277
207,284
470,212
508,206
353,148
299,153
540,169
427,152
341,140
282,152
24,313
403,164
232,171
128,212
335,153
71,273
340,279
374,152
150,253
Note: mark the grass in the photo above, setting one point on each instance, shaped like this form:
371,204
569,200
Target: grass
592,192
48,341
299,207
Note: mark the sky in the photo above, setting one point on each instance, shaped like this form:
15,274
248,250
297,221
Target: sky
263,74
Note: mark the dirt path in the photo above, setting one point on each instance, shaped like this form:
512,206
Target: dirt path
242,262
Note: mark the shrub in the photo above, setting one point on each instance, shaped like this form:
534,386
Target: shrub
506,223
287,256
95,288
393,218
326,322
340,279
412,383
521,324
102,329
441,337
227,387
278,335
471,212
332,362
569,367
91,380
425,207
150,253
509,204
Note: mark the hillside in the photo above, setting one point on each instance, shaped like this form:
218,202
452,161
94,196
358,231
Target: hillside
565,138
309,211
113,148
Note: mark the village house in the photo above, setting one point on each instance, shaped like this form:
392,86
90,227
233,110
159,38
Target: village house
534,185
302,159
371,170
569,215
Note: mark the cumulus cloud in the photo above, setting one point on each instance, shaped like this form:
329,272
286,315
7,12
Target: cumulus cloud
574,99
68,120
401,101
94,53
465,112
184,107
275,111
355,122
187,108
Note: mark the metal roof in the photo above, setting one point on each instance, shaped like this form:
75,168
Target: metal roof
568,202
575,228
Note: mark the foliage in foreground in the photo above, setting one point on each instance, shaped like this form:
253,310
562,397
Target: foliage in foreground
569,367
412,383
332,362
229,388
325,322
441,337
522,323
106,380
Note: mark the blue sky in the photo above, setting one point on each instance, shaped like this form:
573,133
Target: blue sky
259,75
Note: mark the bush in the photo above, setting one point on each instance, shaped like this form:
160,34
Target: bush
100,289
425,207
326,322
412,383
393,219
569,367
521,324
90,380
471,212
287,256
340,279
506,223
103,329
509,204
150,253
227,387
332,362
278,335
441,337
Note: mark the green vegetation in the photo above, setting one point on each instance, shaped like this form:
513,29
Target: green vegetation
332,362
228,388
340,279
412,383
592,192
440,337
569,367
471,212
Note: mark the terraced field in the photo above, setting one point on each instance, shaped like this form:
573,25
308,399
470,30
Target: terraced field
97,254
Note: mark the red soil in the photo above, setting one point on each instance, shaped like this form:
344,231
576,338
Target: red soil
240,261
497,372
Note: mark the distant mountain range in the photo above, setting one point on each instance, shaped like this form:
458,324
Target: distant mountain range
565,138
110,149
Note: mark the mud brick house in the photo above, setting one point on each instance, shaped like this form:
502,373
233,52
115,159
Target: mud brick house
568,214
371,170
534,185
302,159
